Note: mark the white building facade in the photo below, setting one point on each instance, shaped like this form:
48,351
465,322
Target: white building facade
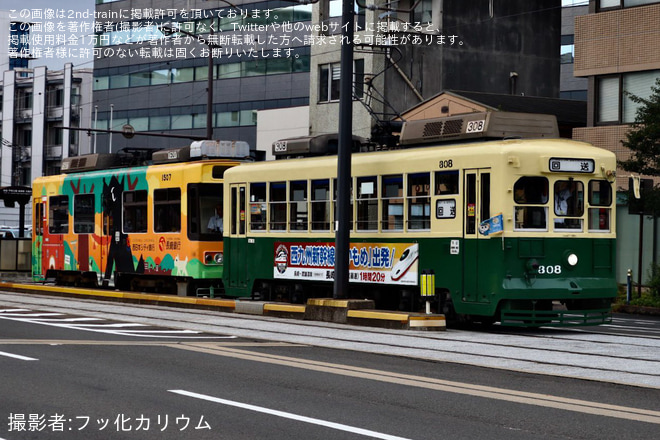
39,110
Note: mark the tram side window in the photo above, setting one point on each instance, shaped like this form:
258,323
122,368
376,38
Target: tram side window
569,204
83,214
58,215
258,206
335,186
419,202
277,206
367,203
600,201
532,193
167,210
446,183
321,205
392,196
135,211
205,211
298,214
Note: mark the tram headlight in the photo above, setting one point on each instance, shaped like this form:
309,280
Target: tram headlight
572,259
213,258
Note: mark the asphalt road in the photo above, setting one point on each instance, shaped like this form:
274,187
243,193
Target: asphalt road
85,377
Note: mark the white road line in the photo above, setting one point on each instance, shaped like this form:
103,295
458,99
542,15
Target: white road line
119,325
116,329
17,356
29,315
70,319
287,415
504,394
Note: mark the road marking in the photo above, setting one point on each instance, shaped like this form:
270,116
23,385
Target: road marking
291,416
112,328
30,315
17,356
527,398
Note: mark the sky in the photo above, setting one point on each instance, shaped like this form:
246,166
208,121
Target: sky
55,52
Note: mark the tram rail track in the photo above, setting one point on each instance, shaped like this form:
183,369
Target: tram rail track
619,358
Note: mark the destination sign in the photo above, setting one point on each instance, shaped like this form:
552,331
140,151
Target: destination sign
566,165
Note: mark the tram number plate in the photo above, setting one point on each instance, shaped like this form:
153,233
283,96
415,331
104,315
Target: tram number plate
549,270
476,126
279,147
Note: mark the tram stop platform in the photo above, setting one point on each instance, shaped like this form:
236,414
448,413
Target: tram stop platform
344,311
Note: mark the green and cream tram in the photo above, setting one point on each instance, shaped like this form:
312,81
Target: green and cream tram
520,231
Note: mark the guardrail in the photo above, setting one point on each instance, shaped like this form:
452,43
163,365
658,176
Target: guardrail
15,254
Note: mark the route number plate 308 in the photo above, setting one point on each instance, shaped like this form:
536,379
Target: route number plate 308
476,126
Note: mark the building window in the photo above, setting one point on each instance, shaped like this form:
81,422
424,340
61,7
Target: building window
335,10
576,95
613,103
618,4
567,49
329,77
422,12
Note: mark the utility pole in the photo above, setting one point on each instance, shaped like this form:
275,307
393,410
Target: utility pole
343,233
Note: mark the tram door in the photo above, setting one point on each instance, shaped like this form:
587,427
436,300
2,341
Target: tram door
38,237
238,258
476,209
55,218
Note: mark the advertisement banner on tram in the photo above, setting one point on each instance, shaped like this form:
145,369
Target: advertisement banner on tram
382,263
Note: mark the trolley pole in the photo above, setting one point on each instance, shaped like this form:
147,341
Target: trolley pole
342,234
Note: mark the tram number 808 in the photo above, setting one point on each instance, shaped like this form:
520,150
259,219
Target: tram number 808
446,163
549,270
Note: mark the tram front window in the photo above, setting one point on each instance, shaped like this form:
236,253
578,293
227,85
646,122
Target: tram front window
530,195
205,214
569,204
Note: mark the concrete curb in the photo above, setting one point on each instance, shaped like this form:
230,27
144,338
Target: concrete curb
354,312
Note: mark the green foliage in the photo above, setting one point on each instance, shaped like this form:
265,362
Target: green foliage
646,301
644,137
654,281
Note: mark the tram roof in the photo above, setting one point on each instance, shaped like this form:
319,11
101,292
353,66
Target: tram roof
484,152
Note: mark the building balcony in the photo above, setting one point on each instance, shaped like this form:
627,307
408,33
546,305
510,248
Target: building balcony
21,114
53,152
55,112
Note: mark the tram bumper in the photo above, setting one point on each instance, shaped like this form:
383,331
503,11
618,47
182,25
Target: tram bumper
559,302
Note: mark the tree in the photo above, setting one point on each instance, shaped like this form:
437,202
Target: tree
643,139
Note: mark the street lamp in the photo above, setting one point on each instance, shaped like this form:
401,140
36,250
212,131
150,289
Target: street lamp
169,30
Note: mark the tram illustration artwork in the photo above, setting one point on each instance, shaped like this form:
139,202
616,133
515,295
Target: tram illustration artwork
139,228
